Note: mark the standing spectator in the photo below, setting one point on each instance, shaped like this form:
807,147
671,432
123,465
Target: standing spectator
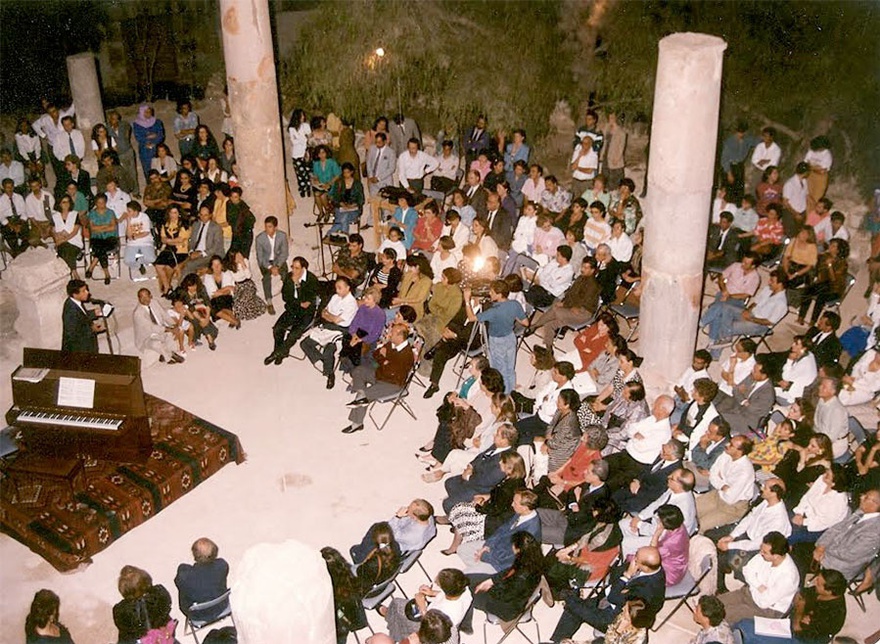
403,131
518,150
765,155
185,124
149,132
819,159
614,150
476,140
272,249
299,132
584,165
120,133
28,150
795,194
734,152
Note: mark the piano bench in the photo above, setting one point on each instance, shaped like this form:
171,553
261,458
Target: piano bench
30,468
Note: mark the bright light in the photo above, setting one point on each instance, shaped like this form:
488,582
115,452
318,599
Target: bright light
479,262
380,52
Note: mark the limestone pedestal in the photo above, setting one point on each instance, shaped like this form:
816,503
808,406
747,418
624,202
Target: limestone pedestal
283,594
680,171
82,72
38,278
253,101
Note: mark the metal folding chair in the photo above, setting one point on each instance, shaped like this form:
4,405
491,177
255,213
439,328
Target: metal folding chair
688,587
193,623
524,617
398,399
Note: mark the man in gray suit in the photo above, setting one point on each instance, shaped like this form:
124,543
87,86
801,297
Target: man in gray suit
205,241
752,399
272,250
381,166
120,131
402,130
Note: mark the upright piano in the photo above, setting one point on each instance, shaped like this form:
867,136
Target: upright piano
81,405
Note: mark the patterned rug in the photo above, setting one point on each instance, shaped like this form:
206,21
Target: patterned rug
116,498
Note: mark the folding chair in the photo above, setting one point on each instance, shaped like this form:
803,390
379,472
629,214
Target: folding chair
762,337
772,262
408,560
398,399
194,623
835,303
688,587
524,617
628,312
857,437
853,584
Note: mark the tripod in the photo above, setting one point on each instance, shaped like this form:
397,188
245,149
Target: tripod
318,225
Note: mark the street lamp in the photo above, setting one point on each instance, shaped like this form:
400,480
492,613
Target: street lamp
380,54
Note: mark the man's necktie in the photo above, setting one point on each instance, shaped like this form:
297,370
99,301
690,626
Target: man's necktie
70,140
153,315
376,162
199,238
492,218
12,203
47,209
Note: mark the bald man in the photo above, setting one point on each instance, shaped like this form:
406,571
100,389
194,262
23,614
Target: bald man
641,578
202,581
646,440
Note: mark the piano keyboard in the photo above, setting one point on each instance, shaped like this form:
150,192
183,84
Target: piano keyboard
70,420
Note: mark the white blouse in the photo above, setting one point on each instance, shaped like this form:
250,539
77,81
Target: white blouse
211,286
822,508
67,226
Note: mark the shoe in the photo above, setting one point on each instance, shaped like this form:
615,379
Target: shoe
237,325
429,355
331,381
161,358
448,552
432,477
176,357
270,309
88,274
351,429
425,449
280,358
212,346
430,391
106,281
358,402
142,269
272,357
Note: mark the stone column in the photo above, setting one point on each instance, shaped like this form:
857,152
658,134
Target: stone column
684,131
283,594
38,278
253,101
82,72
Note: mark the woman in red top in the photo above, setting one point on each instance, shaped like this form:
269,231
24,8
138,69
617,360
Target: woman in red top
769,190
591,341
769,233
428,229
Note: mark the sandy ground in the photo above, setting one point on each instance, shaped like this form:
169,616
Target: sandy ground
303,479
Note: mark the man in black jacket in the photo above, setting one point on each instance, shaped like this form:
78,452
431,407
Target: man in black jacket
299,291
77,324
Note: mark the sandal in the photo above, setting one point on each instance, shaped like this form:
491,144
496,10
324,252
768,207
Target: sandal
433,477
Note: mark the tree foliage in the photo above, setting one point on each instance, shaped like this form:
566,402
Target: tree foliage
452,60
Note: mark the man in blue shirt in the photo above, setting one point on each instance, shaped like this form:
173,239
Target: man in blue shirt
500,318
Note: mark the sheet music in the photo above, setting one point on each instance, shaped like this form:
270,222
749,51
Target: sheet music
76,392
769,627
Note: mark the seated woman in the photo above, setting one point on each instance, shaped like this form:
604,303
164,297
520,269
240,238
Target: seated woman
592,341
325,170
564,431
505,593
386,276
630,408
825,503
524,235
67,234
347,597
247,305
164,163
198,309
41,625
672,541
605,365
803,466
103,236
434,628
476,520
414,287
382,562
220,287
174,236
143,606
769,233
557,486
632,624
452,599
446,301
546,238
347,196
830,281
863,383
445,256
363,332
587,560
183,195
428,228
627,371
800,258
482,239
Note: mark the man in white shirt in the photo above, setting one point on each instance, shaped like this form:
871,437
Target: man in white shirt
139,249
117,201
794,197
738,543
151,332
772,581
443,179
336,316
552,279
798,372
646,438
68,141
831,228
732,478
39,205
544,404
768,308
831,417
638,529
413,165
765,154
13,219
11,169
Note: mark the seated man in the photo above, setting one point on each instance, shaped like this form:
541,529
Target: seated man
567,525
831,417
736,284
320,344
824,343
643,491
139,249
769,307
638,528
682,389
739,542
352,261
483,473
393,363
543,407
707,450
732,478
849,545
577,306
798,372
646,438
205,241
13,219
709,616
641,578
752,399
495,554
771,583
723,244
151,332
299,290
412,525
551,280
202,581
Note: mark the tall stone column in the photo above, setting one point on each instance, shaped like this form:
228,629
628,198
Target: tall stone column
82,72
682,161
253,100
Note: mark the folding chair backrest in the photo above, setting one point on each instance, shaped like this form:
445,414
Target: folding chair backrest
857,431
206,607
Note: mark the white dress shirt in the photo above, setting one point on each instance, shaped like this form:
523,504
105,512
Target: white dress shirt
832,419
118,202
690,376
447,166
763,519
738,475
461,236
621,247
795,191
344,307
684,501
38,208
821,507
6,207
770,153
800,373
772,587
587,165
741,370
14,171
654,433
769,305
27,144
414,167
555,278
62,142
545,401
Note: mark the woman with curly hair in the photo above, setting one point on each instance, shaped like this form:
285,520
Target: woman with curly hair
42,625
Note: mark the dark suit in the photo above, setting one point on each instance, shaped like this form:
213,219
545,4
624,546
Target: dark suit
729,247
291,324
651,486
477,200
828,350
743,418
77,334
201,582
568,525
600,613
501,555
213,245
486,475
475,142
501,228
